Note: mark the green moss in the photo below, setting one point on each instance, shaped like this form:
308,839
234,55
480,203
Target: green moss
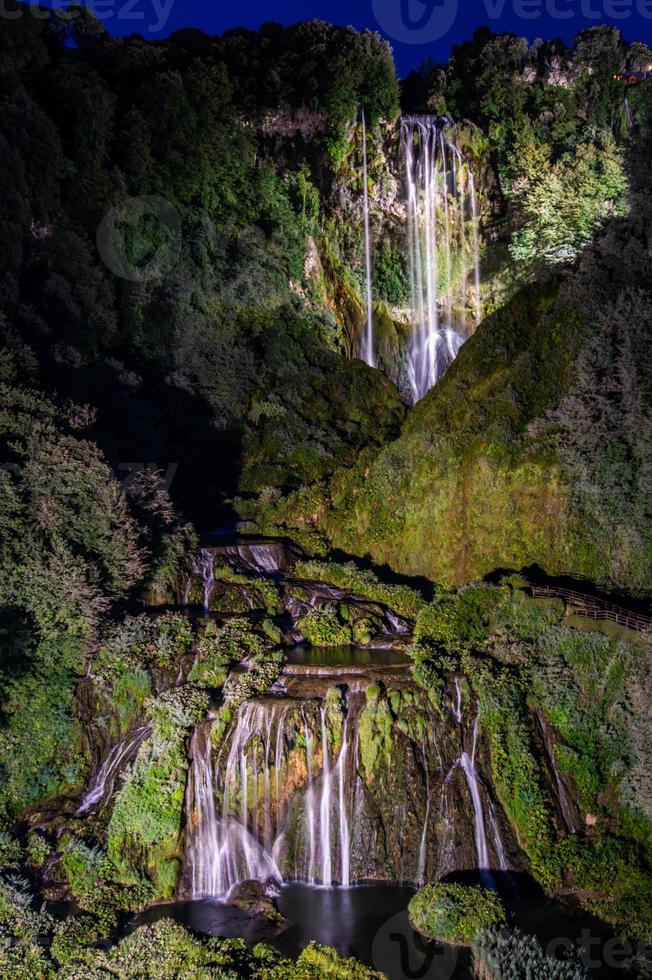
321,961
376,731
455,913
145,826
401,598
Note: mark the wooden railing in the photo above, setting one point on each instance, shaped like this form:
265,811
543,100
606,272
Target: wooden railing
598,609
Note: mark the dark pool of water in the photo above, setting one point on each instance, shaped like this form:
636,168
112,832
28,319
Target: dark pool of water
344,656
370,922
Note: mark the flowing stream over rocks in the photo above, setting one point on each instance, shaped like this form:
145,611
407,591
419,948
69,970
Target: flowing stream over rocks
303,783
102,784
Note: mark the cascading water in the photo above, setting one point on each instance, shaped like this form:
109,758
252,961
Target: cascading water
441,202
367,351
303,787
423,846
102,784
467,763
310,805
345,839
237,827
203,568
225,850
325,807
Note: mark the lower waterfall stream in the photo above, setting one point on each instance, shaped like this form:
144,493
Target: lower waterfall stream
298,789
315,807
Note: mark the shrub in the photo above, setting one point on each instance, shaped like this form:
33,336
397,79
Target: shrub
455,913
146,822
322,628
503,955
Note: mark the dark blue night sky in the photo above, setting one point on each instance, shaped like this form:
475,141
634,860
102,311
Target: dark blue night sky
417,29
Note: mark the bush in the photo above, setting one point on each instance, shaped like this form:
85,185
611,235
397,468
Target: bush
502,955
455,913
322,628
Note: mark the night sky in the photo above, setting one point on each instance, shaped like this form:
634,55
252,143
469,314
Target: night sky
417,30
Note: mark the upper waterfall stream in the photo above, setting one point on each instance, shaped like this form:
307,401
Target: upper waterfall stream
442,243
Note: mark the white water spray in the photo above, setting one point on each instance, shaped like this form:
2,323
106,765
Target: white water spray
439,190
367,352
101,785
324,810
345,840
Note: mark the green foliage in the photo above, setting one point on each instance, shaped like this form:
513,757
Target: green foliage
38,850
501,954
272,632
561,204
259,590
390,275
616,882
262,671
322,627
459,621
145,826
401,598
516,771
31,946
21,932
212,665
321,961
455,913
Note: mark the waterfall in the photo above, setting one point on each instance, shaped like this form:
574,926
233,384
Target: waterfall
423,850
473,782
203,567
101,785
310,804
238,827
563,796
466,763
202,842
288,796
440,189
324,810
457,707
345,840
468,766
367,352
498,841
223,850
477,299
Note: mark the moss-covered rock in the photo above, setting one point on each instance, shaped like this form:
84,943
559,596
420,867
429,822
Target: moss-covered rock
455,913
532,449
